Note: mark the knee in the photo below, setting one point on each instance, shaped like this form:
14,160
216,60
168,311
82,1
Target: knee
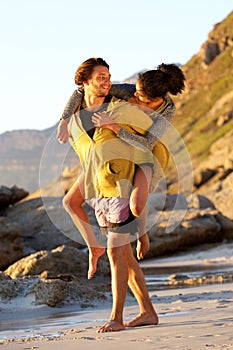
72,202
137,208
114,254
66,202
111,253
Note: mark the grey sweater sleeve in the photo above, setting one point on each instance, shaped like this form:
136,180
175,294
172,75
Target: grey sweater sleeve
161,121
73,103
122,91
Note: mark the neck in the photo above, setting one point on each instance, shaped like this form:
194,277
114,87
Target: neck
92,103
158,102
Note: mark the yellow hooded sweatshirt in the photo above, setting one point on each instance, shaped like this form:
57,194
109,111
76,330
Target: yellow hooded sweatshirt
107,161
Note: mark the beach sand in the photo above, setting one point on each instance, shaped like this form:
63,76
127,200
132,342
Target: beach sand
191,318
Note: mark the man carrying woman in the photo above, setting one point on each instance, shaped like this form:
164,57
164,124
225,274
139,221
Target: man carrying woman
151,94
108,165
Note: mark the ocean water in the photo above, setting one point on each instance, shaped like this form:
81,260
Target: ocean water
203,265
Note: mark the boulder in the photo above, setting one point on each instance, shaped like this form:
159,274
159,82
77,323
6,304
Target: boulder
214,177
9,196
198,201
172,231
46,224
64,260
201,176
9,289
54,292
211,51
221,195
161,201
12,247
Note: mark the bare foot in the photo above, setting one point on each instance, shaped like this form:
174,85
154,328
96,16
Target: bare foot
143,245
143,320
111,326
94,254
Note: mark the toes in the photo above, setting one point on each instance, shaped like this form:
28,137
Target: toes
111,326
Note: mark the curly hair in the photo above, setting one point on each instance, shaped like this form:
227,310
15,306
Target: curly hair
85,70
158,82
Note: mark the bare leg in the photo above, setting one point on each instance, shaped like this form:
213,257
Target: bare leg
72,203
138,207
137,284
143,246
94,254
117,249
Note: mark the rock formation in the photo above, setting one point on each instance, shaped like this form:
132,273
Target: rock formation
12,247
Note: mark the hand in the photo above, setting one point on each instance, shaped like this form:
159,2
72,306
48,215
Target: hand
143,246
104,120
62,132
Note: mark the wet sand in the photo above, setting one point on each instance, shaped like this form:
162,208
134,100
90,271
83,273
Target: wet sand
191,318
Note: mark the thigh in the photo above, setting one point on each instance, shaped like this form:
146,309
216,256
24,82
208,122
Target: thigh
115,239
76,192
142,179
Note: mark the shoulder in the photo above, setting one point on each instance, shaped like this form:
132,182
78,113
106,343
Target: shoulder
79,93
123,106
116,103
167,110
169,101
124,91
129,114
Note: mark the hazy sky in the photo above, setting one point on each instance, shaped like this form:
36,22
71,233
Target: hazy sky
44,41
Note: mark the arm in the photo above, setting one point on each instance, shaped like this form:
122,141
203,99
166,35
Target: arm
73,103
154,133
161,120
122,91
70,108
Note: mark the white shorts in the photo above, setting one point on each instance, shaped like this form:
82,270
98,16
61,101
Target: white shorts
110,210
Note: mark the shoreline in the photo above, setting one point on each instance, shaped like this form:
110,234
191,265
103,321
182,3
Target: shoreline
191,317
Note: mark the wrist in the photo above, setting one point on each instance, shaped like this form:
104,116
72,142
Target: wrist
115,127
64,120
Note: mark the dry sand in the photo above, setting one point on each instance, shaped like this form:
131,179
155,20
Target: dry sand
194,318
